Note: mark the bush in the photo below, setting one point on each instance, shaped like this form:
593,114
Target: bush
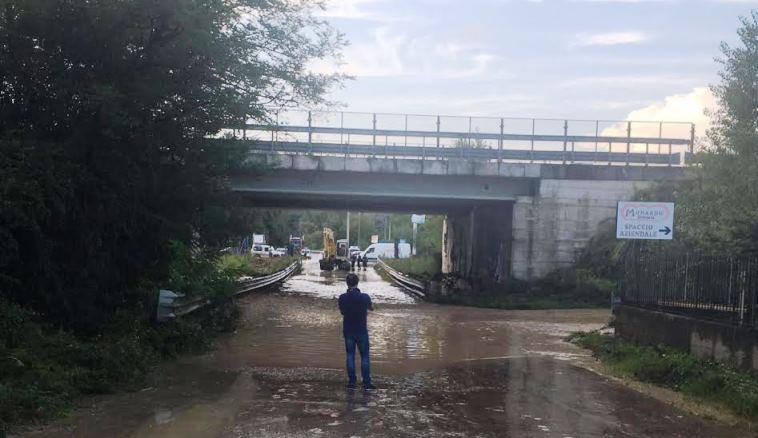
245,264
704,380
423,268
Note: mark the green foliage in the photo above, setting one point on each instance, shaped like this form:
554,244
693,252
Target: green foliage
717,207
424,268
105,115
277,225
562,289
246,264
710,381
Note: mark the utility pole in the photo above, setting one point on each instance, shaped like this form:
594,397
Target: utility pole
348,228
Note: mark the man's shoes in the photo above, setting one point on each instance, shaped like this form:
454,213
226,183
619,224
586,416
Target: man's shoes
350,386
369,387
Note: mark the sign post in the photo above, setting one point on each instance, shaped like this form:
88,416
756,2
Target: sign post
416,219
645,220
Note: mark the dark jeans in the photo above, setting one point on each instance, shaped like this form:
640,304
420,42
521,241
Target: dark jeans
362,342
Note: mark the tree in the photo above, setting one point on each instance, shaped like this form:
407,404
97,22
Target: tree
106,108
720,206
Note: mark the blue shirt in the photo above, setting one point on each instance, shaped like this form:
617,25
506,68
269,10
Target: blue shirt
354,307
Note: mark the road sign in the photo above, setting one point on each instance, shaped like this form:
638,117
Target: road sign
645,220
418,218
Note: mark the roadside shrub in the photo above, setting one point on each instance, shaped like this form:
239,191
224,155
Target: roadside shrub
701,379
237,265
423,268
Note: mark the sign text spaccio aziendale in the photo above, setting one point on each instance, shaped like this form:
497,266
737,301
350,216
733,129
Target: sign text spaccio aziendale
645,220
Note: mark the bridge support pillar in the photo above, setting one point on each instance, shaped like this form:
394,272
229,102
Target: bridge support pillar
476,243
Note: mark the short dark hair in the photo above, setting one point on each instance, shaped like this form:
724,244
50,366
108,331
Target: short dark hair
352,280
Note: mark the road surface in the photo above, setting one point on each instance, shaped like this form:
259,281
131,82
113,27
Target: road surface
442,371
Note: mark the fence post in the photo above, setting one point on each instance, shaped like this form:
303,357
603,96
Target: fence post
500,143
628,142
565,134
597,132
310,146
531,145
406,130
438,135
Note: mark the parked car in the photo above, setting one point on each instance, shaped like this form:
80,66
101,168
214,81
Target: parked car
280,252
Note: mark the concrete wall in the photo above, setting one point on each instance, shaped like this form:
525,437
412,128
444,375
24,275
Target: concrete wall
734,346
551,227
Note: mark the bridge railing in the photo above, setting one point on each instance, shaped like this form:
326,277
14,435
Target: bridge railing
485,138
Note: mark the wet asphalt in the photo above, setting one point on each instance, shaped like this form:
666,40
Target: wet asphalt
442,371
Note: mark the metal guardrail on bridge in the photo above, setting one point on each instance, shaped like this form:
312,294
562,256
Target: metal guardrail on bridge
171,304
486,138
413,286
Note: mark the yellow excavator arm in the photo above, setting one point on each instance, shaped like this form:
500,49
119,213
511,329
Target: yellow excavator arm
330,247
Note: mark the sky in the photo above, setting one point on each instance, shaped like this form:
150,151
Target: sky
576,59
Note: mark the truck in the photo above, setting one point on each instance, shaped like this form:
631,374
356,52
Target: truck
296,245
336,254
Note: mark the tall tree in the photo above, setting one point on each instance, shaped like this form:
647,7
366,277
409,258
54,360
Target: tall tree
105,112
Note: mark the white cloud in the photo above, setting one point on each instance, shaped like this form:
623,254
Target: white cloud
393,53
353,9
609,39
690,107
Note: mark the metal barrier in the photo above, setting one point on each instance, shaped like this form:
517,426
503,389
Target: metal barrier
172,305
719,288
489,138
413,286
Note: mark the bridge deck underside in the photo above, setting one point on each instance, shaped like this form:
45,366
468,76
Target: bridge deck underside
377,192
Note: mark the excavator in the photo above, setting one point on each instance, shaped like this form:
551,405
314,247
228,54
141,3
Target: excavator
336,253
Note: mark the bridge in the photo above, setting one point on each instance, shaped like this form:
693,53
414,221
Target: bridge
521,196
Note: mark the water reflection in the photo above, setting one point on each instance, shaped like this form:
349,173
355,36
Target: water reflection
329,285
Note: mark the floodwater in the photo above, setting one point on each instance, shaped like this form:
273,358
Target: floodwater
441,371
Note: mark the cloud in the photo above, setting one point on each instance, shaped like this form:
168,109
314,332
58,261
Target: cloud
392,53
352,9
689,107
609,39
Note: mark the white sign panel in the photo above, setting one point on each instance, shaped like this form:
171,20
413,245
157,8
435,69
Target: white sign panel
645,220
418,218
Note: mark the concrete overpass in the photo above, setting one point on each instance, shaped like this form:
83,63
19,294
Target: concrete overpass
525,215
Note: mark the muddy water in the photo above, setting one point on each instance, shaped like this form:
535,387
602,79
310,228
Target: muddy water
441,371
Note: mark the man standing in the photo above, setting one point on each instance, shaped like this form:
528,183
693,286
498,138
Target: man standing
354,306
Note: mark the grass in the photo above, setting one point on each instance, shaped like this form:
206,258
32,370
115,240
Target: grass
700,379
523,301
246,264
565,289
423,268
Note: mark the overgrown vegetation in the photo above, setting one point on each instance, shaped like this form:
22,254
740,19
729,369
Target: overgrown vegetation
424,268
245,264
563,289
113,176
704,380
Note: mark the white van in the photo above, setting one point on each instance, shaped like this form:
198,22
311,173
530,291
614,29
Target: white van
386,250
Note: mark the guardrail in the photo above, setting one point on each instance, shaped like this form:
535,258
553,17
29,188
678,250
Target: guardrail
171,304
485,138
413,286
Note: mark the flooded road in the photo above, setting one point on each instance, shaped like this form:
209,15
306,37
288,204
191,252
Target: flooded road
441,371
